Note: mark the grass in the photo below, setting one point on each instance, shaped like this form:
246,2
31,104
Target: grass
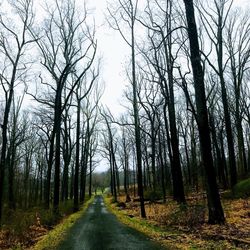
54,237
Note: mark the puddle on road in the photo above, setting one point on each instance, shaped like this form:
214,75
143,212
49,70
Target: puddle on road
104,210
91,210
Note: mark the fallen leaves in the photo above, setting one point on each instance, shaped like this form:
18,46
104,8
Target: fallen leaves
189,226
9,239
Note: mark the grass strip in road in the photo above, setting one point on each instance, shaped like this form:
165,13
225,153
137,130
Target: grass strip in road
142,225
54,237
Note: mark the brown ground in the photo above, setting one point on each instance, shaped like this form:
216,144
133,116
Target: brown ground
184,228
189,227
10,240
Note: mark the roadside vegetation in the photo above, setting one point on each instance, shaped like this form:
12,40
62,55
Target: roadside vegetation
185,226
53,238
38,228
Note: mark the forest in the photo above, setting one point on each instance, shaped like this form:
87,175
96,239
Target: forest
177,155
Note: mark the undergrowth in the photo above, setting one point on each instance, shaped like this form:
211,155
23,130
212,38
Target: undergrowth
23,228
54,237
184,226
242,189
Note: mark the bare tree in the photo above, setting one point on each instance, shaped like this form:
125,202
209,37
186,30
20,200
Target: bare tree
17,132
237,43
68,49
162,55
214,27
216,214
67,148
13,44
80,95
111,150
126,12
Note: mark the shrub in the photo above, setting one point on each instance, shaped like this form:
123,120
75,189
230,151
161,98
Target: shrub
48,218
113,200
121,205
187,216
19,221
242,189
153,195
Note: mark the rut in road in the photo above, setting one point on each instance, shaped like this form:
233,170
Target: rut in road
99,229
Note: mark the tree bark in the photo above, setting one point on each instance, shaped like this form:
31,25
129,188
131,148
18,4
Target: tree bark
77,162
137,127
216,214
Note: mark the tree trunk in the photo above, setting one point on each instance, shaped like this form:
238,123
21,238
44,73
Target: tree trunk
71,195
49,170
194,163
227,117
90,176
137,126
77,162
57,126
153,154
161,161
216,214
220,163
126,168
111,175
178,188
4,148
12,203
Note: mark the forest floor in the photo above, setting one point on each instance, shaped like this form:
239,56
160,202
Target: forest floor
185,227
22,229
172,225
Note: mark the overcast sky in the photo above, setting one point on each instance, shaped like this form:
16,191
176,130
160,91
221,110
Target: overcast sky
113,51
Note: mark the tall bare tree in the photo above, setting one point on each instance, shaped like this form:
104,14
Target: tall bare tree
161,26
13,45
216,214
237,43
68,49
214,22
127,11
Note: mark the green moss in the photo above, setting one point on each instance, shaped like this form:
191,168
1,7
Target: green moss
242,189
54,237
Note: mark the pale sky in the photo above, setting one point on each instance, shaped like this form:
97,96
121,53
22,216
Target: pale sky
114,52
